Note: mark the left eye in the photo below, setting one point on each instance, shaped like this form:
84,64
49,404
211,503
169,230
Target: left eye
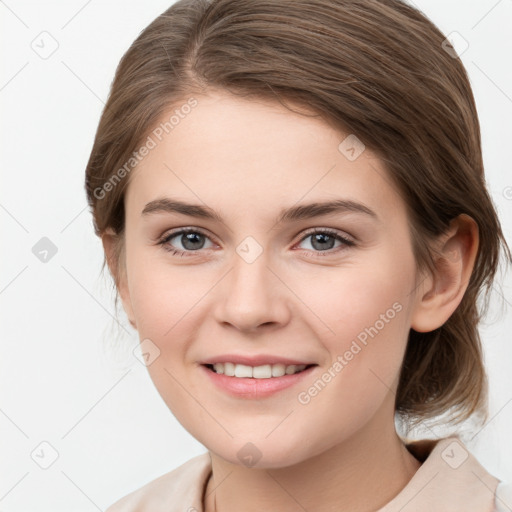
323,241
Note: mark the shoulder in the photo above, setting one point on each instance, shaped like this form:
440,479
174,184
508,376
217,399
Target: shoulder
180,489
503,500
449,478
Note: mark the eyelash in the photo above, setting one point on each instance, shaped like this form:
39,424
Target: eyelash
319,254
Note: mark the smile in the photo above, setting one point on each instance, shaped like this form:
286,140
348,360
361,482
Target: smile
266,371
248,385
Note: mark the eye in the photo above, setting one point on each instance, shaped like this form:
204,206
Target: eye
323,240
192,240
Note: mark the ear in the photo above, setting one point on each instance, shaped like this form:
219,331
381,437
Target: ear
441,293
117,266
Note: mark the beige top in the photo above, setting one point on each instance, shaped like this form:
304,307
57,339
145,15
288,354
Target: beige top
450,479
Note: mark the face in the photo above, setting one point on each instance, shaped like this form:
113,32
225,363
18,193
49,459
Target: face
328,287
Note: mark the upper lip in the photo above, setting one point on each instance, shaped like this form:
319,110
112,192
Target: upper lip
258,360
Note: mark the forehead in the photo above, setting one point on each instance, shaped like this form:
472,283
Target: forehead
233,153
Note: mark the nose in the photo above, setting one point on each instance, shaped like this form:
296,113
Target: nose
252,296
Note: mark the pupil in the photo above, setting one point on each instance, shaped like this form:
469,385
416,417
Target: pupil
323,240
189,239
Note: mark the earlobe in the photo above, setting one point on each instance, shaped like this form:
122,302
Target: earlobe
441,293
114,254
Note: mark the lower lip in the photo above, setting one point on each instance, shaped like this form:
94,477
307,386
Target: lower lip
244,387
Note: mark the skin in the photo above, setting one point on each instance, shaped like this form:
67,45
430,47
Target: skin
248,160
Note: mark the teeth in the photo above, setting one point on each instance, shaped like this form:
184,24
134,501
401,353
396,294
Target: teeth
265,371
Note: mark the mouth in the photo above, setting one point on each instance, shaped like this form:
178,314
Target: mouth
256,383
266,371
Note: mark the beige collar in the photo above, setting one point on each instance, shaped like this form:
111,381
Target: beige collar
449,479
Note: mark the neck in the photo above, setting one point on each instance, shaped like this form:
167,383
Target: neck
360,474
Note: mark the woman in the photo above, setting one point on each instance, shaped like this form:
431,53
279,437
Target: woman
292,204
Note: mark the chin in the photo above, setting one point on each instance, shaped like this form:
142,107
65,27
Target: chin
261,453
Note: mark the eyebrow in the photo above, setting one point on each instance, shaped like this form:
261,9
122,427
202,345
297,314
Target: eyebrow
294,213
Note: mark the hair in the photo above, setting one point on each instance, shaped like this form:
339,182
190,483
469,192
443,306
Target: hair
378,69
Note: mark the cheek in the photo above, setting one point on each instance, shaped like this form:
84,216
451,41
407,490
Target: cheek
365,314
348,302
162,295
165,303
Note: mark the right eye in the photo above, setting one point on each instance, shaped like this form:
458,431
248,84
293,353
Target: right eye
191,239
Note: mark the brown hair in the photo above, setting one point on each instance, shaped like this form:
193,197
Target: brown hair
374,68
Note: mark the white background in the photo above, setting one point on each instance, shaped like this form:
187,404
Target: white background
61,380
